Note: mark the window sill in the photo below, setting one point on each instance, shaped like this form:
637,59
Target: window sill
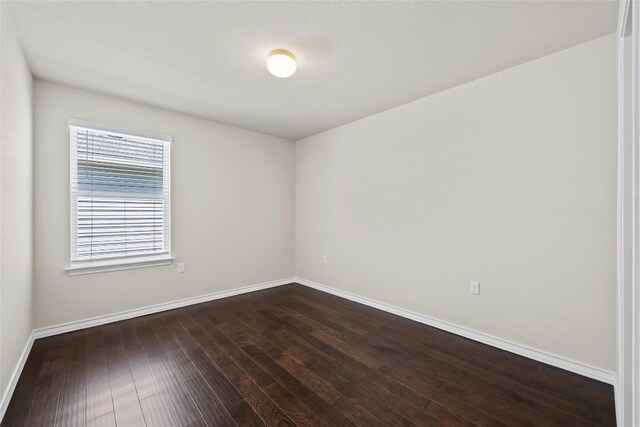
90,267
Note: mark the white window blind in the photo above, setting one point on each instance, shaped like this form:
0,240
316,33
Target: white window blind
120,196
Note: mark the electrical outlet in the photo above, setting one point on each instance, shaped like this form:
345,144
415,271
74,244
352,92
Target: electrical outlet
475,287
181,267
324,259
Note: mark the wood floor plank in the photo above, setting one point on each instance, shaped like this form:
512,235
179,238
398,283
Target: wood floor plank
125,401
143,376
173,389
47,390
98,386
126,404
156,411
291,356
355,414
106,420
71,409
244,416
163,330
99,401
211,409
291,406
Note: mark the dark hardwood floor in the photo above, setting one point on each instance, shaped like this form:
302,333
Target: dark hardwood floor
292,356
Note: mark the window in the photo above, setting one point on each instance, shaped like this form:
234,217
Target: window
120,199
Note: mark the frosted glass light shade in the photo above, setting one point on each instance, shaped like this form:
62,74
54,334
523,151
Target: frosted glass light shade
281,63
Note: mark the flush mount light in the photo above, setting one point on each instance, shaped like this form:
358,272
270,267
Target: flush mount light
281,63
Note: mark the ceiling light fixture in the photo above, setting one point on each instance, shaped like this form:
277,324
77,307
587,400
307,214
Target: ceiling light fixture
281,63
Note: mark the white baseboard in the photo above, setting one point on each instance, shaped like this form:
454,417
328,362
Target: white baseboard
13,381
520,349
137,312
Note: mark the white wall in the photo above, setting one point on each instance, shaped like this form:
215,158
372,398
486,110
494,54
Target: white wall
509,180
16,93
232,208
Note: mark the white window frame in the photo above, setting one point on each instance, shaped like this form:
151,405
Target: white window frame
77,267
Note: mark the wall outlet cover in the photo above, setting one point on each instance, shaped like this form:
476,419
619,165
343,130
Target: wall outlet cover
475,287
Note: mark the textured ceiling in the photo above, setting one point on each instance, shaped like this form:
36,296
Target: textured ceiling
354,58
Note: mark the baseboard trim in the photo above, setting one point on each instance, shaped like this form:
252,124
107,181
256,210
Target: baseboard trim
510,346
128,314
13,381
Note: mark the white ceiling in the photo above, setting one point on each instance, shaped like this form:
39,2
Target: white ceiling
354,58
